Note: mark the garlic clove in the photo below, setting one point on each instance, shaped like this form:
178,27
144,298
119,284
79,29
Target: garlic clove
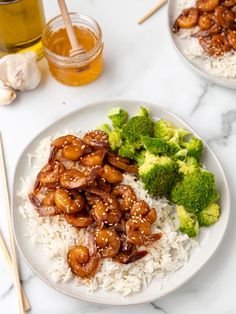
20,71
7,95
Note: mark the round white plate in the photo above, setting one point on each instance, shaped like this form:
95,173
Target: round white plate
196,64
88,118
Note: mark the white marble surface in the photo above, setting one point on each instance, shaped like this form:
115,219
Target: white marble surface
139,64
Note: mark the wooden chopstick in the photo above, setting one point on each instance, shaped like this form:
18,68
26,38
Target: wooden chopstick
152,11
3,246
15,271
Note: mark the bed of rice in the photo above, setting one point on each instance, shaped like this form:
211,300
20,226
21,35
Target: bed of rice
224,66
54,236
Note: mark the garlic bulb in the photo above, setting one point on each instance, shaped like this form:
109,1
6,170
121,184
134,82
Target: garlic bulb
20,71
7,95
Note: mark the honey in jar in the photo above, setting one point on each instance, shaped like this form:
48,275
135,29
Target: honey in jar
21,26
77,70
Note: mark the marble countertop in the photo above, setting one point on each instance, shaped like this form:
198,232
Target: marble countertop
141,64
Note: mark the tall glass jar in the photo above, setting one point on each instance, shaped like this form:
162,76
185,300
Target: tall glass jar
21,26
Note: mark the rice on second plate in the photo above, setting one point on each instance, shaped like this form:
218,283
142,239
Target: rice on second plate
54,236
223,66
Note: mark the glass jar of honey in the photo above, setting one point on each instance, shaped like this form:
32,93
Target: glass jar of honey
83,68
21,26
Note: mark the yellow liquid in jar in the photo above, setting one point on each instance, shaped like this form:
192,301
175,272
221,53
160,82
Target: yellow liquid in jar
59,44
21,26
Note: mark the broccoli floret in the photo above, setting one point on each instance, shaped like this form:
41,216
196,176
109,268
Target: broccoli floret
135,128
195,191
194,147
158,174
127,150
168,131
118,117
139,157
209,215
143,112
115,139
189,165
187,222
156,146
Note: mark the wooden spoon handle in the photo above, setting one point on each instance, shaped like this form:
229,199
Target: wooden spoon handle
68,24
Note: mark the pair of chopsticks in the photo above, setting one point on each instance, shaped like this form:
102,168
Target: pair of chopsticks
11,260
152,11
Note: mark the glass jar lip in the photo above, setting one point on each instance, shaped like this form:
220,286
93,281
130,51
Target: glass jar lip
81,58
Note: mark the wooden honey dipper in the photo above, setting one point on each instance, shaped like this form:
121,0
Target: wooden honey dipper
76,49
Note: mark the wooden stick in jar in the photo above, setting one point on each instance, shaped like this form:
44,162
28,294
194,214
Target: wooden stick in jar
3,246
15,271
152,11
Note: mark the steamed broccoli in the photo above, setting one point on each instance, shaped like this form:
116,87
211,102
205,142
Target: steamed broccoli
189,165
115,139
143,112
118,117
168,131
127,150
139,157
187,222
194,147
155,146
158,174
135,128
209,215
195,191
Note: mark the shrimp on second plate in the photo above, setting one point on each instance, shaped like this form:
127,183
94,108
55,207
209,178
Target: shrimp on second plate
108,242
110,174
81,262
69,202
207,5
187,19
231,36
94,159
125,195
121,163
138,230
79,220
215,45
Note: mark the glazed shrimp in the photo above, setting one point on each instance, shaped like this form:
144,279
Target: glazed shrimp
108,242
72,147
81,262
205,21
94,159
80,220
47,207
215,45
49,175
187,19
231,36
111,174
68,202
142,210
127,258
137,230
207,5
73,178
96,139
228,3
121,163
105,210
224,17
125,195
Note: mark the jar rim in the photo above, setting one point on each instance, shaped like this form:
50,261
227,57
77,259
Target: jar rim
82,58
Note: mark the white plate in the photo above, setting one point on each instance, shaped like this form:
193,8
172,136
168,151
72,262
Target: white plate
196,64
86,119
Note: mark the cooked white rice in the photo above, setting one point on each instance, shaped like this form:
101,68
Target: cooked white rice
223,66
54,236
